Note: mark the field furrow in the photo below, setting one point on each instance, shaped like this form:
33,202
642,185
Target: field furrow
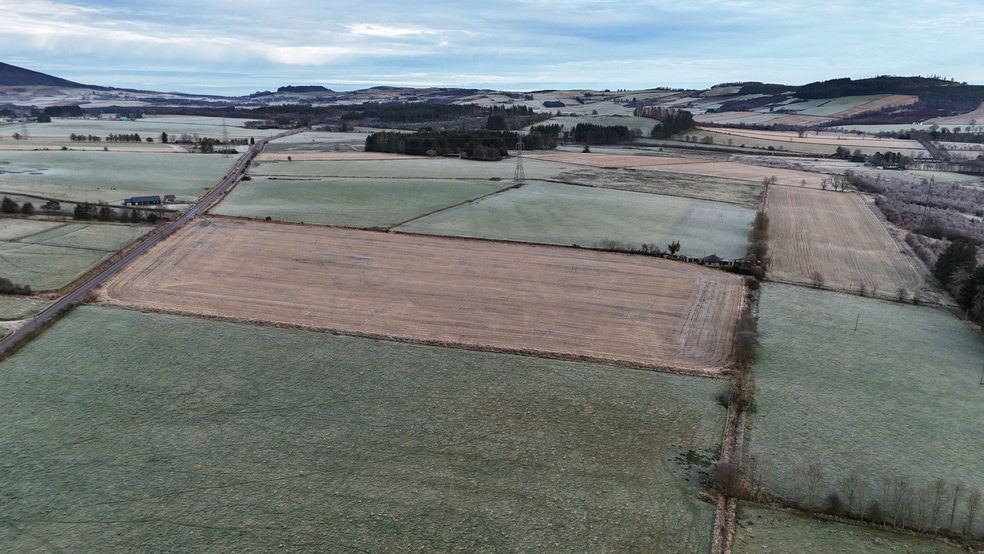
837,237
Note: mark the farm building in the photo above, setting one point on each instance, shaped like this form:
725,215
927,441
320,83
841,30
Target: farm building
142,200
169,198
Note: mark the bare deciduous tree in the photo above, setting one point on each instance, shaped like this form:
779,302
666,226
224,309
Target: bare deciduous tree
814,481
956,489
973,505
939,490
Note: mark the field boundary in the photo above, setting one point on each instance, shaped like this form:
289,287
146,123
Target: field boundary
469,201
721,372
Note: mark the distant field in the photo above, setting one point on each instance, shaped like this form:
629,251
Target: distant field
898,397
716,189
409,167
832,106
109,176
349,202
519,298
140,432
829,139
836,235
568,214
763,531
19,307
151,126
317,141
709,167
49,255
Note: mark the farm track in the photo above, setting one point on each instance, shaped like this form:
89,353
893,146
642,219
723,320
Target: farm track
538,300
837,236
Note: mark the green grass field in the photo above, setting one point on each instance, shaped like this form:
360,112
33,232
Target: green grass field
97,176
128,432
763,531
898,397
413,168
49,255
19,307
569,214
349,202
317,141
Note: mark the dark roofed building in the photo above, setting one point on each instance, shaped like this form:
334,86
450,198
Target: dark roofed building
142,200
169,198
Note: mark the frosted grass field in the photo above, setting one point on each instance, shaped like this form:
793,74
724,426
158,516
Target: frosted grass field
19,307
49,255
45,267
349,202
150,126
109,176
317,141
413,168
569,214
187,433
93,236
764,531
898,397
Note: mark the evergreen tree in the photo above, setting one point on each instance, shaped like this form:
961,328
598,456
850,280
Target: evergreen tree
958,256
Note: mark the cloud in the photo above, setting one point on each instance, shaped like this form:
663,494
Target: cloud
540,43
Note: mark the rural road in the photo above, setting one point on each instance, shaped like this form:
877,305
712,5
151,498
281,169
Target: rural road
71,298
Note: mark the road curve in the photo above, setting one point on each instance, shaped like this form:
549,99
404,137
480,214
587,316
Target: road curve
67,301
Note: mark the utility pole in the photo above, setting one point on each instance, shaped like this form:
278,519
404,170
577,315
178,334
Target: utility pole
520,176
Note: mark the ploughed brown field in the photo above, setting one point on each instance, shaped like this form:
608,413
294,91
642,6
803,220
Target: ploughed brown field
837,236
553,301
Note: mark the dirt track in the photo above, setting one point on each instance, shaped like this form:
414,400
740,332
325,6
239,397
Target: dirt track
560,302
837,235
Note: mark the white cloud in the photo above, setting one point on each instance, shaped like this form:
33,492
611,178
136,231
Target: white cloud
383,31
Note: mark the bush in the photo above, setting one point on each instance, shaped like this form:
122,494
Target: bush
8,206
725,478
27,209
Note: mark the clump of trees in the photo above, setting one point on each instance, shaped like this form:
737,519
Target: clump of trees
671,120
590,133
758,238
9,206
9,287
122,137
84,138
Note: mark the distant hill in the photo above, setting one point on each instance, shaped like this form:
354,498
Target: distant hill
13,76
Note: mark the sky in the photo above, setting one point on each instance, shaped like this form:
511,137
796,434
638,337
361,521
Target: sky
237,47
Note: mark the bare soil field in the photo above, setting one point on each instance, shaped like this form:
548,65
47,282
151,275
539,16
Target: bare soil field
722,116
839,237
693,166
557,302
734,170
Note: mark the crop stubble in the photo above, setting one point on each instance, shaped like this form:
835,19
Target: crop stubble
558,302
838,236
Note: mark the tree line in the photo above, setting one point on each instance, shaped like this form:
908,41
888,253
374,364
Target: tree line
475,144
589,133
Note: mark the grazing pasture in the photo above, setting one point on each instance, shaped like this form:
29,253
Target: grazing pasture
567,214
899,397
764,531
349,202
95,176
560,302
144,432
836,236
